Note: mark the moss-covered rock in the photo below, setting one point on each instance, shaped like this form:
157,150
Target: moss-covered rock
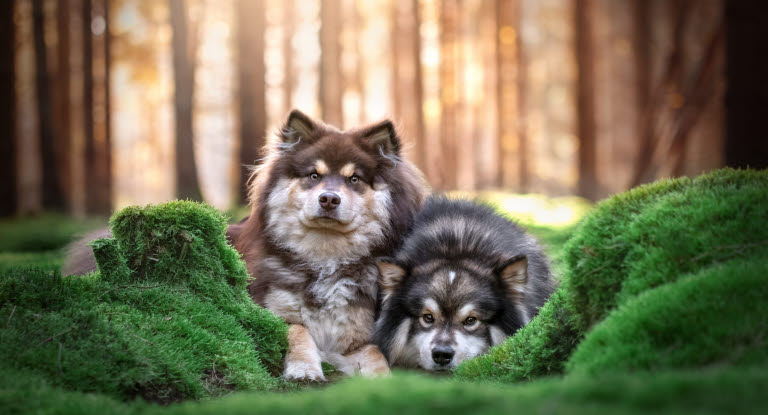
166,318
628,244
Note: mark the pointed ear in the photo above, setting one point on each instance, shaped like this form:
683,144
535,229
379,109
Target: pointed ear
382,139
390,276
514,275
298,127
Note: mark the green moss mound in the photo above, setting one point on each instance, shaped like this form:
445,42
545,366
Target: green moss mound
718,316
166,318
633,242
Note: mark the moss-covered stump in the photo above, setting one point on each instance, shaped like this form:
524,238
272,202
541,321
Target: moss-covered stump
648,237
166,318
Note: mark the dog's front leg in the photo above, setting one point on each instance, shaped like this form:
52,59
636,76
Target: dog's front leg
368,361
302,363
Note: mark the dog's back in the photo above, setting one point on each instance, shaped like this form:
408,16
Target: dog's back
448,229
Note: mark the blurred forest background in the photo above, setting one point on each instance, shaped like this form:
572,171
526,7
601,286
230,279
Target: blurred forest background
106,103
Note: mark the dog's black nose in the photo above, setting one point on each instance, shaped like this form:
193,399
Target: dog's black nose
442,355
329,201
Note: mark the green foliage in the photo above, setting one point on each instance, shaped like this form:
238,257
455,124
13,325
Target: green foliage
633,242
167,317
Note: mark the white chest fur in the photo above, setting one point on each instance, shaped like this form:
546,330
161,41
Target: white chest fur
331,309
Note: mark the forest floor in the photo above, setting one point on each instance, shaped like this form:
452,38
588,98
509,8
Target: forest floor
658,311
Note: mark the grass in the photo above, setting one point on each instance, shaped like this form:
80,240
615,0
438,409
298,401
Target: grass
708,391
661,308
48,232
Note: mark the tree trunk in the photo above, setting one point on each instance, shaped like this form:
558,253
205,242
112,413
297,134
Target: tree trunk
52,195
586,101
746,99
187,186
449,15
330,63
60,96
510,111
97,145
8,191
289,29
406,75
253,116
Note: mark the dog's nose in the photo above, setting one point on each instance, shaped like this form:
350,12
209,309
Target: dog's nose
442,355
329,200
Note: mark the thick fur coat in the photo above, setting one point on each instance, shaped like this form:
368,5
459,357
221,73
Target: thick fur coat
464,280
325,205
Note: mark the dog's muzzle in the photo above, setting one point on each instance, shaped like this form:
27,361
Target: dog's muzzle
329,201
442,355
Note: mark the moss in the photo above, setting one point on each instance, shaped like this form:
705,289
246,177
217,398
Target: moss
717,317
23,392
167,321
633,242
539,348
656,233
715,390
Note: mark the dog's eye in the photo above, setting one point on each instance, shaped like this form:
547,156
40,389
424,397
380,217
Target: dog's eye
470,321
314,176
354,179
428,318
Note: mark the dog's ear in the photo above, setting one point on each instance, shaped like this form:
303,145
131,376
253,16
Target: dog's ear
382,139
514,275
390,276
298,127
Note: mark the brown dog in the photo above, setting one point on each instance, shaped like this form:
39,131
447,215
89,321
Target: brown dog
325,205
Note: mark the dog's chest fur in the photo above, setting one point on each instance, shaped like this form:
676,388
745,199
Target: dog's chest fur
335,303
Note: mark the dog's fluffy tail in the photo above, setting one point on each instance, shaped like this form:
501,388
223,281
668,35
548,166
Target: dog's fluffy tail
79,258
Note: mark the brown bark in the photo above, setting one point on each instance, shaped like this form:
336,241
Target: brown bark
746,101
669,83
53,197
289,26
97,144
60,95
75,108
449,93
642,57
512,157
406,75
587,153
330,63
187,186
253,116
8,187
485,111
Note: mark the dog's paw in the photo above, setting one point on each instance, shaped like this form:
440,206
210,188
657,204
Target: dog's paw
303,372
374,371
370,362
